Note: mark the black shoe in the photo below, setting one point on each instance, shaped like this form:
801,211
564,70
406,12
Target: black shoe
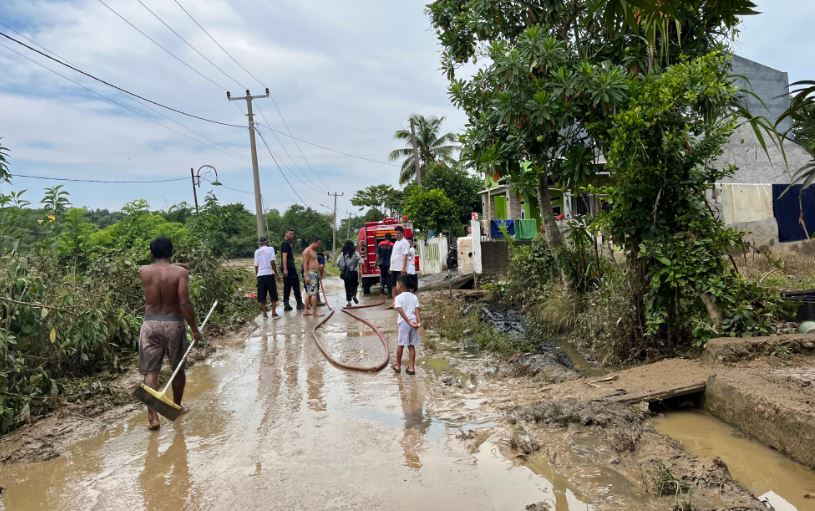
355,300
300,306
287,308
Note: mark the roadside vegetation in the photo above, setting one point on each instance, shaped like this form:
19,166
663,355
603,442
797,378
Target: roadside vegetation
642,91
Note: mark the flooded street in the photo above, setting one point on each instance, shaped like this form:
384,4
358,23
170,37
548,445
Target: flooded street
275,426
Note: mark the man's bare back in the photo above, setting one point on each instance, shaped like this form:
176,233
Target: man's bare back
164,284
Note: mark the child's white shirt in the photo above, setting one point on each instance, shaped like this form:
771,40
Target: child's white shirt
408,302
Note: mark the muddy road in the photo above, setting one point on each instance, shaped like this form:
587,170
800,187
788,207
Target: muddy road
275,426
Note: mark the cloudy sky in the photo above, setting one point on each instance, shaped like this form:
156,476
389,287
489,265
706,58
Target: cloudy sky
345,76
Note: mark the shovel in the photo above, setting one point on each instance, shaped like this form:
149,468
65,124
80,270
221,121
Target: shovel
159,401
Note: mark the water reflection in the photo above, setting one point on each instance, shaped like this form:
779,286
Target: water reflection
416,422
165,481
268,390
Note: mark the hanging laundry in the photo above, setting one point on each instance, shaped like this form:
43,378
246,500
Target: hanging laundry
526,229
787,211
746,202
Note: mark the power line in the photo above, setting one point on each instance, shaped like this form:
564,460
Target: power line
269,124
120,89
337,151
286,125
137,29
104,181
279,168
213,64
217,43
201,139
310,183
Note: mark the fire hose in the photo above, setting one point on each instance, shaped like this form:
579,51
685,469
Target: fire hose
369,324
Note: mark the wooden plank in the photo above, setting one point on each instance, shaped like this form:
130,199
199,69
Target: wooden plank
659,395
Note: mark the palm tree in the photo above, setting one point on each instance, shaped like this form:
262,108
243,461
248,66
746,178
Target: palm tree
432,147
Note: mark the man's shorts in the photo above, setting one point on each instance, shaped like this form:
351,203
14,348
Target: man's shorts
160,335
313,284
408,336
266,285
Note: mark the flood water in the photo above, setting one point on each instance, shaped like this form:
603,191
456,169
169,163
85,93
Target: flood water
755,466
275,426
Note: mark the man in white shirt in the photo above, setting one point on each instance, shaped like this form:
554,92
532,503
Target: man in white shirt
399,256
266,270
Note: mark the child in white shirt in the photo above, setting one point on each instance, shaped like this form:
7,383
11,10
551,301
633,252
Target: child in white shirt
408,321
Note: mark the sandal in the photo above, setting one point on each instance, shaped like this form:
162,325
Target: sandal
396,369
410,372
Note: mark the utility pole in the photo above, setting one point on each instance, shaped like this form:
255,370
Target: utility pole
416,162
255,173
194,193
334,224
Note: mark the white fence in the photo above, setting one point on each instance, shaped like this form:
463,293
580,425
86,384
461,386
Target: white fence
433,255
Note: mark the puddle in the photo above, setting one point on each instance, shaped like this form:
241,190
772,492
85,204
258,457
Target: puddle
755,466
274,425
441,369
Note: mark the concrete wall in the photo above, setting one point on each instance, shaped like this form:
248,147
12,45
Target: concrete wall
433,255
771,85
754,166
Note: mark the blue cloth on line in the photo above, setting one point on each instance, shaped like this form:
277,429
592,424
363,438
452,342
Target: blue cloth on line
495,231
787,211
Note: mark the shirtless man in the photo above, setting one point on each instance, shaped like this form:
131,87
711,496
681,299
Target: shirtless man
311,276
168,306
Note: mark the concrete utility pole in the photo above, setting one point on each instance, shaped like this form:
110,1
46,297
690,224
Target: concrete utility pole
416,162
334,224
255,174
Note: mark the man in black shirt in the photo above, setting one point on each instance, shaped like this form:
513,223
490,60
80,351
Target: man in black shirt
290,280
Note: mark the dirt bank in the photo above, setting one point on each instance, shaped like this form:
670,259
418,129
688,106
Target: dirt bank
47,437
598,432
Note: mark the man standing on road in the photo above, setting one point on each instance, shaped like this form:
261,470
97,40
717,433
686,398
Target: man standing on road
168,306
311,276
291,283
399,257
266,270
383,260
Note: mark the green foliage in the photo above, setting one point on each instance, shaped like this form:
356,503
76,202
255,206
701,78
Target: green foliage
532,267
4,172
71,298
380,197
458,185
432,146
660,149
430,209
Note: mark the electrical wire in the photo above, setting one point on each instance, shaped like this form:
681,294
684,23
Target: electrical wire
201,139
285,124
286,151
137,29
103,181
213,64
279,167
120,89
217,43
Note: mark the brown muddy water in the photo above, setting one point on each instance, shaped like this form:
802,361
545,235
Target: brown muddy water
753,465
275,426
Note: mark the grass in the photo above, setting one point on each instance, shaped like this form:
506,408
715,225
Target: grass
447,318
780,272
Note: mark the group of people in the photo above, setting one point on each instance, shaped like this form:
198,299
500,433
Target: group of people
395,259
313,269
168,305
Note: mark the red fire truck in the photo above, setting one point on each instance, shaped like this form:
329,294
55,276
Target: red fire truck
368,239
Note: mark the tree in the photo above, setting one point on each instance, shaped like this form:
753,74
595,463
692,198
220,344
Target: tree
432,146
802,113
55,201
430,209
458,185
381,197
5,175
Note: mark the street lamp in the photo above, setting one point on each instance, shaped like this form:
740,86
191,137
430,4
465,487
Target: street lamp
196,180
